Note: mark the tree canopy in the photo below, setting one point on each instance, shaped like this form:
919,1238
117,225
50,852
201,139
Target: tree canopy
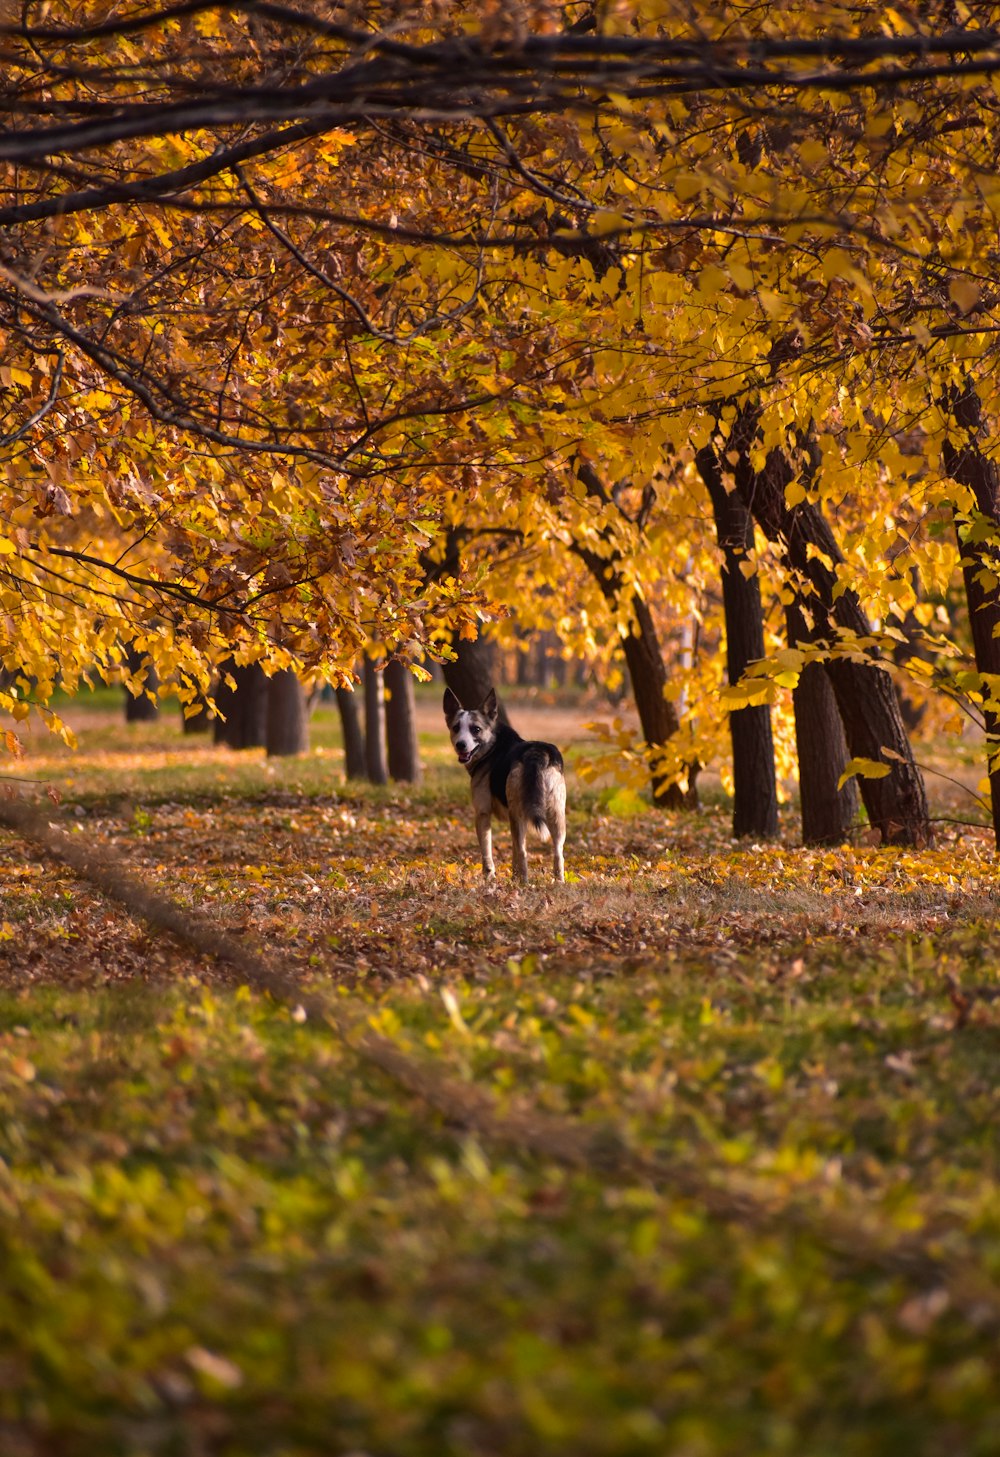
292,295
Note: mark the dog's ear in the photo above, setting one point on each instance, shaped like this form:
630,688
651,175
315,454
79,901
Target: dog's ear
451,705
490,708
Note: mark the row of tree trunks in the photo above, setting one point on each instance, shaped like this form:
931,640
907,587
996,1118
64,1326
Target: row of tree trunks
262,712
865,695
386,746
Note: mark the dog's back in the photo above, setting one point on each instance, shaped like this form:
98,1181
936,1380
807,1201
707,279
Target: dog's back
526,776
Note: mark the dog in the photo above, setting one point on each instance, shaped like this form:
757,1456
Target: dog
521,780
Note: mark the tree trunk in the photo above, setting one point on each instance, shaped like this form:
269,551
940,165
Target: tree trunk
980,565
139,708
473,673
401,724
197,723
354,739
474,670
375,764
643,658
245,708
287,716
828,813
755,806
865,694
657,716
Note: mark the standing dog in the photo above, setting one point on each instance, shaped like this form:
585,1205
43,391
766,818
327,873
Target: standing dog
514,778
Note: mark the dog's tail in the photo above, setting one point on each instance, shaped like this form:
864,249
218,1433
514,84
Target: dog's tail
537,759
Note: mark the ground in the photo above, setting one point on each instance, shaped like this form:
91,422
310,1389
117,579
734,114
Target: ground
696,1154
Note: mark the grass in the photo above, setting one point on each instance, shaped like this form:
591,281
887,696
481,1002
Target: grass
695,1155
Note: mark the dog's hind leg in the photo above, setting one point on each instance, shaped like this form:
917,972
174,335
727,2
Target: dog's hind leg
555,818
519,833
558,833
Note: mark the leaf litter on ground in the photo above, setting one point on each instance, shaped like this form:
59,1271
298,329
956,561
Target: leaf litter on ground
707,1119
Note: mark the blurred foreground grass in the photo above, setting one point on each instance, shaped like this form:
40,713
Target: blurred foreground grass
225,1230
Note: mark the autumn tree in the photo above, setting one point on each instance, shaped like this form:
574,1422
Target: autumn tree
278,290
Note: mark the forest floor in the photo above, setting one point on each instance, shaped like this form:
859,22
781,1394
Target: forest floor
695,1154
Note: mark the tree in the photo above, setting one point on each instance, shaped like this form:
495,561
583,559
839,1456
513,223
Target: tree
140,707
828,802
403,752
755,810
978,529
287,715
375,741
891,785
241,402
352,733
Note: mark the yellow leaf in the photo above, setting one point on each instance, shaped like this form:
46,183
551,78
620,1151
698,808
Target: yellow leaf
964,292
864,769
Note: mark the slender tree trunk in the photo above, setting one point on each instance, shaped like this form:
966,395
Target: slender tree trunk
644,660
352,734
755,808
375,764
828,813
287,716
401,724
866,696
245,708
657,715
966,464
139,708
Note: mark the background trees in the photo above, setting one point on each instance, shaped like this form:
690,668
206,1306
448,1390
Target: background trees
291,298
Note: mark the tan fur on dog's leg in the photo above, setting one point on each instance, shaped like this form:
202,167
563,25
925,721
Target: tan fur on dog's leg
485,833
519,834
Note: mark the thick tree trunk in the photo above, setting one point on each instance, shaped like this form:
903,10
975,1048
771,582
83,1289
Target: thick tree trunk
138,707
351,732
245,708
401,724
473,672
865,694
197,723
828,813
755,807
287,716
980,564
375,764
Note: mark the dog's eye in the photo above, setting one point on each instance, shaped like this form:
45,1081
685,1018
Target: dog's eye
475,732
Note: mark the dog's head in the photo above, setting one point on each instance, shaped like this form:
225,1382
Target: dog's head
472,729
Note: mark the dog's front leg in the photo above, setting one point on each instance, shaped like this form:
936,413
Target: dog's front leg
485,832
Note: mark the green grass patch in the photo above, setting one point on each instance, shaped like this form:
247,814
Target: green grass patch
702,1157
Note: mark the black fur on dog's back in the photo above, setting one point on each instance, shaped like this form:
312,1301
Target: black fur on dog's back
534,756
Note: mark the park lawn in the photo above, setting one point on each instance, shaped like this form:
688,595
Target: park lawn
695,1155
